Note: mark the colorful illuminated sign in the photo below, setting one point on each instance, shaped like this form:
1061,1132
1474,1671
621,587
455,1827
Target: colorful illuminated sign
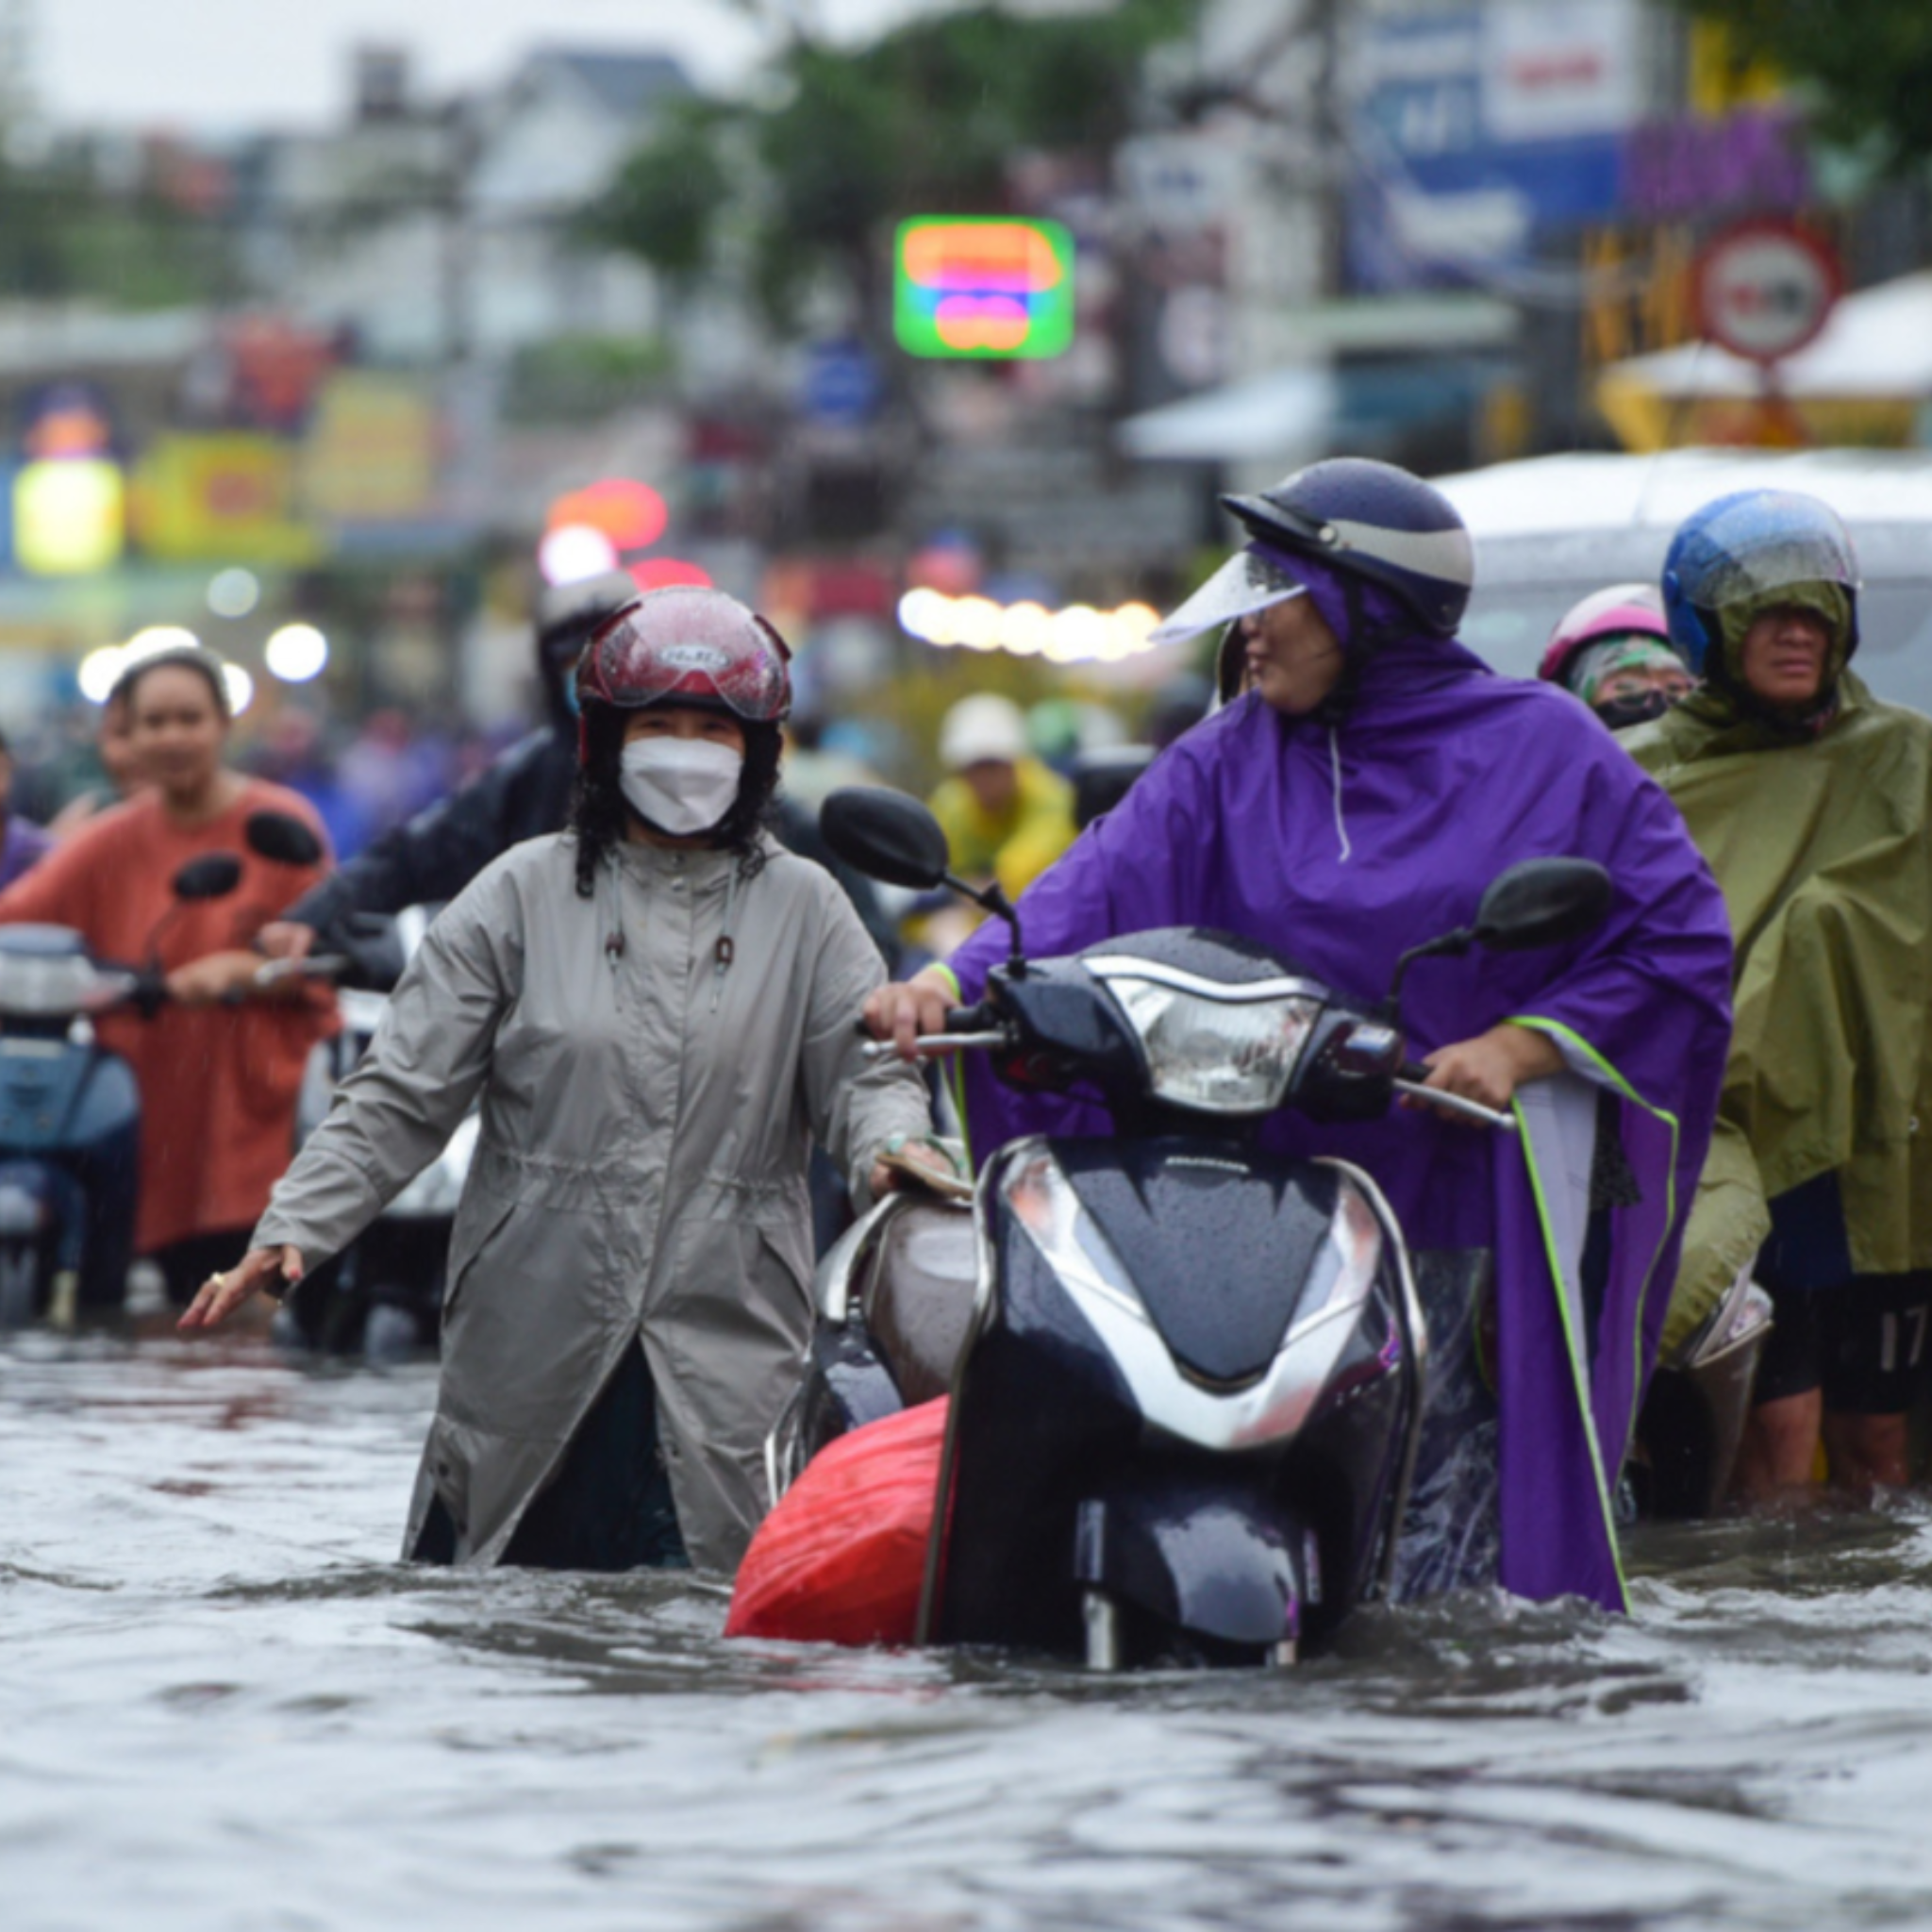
983,287
69,516
69,496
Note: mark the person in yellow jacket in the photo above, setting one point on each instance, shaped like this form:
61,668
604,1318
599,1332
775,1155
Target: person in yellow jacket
1006,815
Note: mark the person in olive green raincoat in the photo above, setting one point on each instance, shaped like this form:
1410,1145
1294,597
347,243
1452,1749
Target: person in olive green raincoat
1812,802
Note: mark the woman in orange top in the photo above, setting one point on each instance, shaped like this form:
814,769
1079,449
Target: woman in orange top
218,1082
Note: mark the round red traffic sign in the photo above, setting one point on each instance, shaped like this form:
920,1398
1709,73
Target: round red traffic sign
1764,288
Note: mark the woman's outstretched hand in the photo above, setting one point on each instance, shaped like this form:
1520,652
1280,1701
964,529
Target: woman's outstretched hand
221,1294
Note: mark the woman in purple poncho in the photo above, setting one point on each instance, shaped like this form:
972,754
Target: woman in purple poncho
1356,802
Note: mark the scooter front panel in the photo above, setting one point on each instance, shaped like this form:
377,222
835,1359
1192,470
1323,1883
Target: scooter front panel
1071,1393
1227,1247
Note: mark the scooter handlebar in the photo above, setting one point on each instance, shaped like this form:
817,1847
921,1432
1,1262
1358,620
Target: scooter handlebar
316,966
935,1043
964,1025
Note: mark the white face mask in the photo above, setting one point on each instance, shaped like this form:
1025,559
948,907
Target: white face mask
682,786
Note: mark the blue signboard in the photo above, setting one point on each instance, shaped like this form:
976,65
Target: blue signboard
1477,130
840,383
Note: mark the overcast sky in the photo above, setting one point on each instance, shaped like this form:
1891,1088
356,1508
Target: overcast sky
236,65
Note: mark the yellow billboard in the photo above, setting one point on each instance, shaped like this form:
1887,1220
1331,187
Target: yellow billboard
226,497
371,455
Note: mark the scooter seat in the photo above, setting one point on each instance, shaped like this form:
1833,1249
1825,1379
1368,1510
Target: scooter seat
919,1304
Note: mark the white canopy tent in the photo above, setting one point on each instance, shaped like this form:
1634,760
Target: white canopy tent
1877,342
1866,379
1281,417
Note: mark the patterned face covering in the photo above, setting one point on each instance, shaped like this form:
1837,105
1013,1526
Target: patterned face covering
1626,667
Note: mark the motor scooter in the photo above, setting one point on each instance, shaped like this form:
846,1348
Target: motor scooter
381,1298
1692,1427
1186,1372
70,1109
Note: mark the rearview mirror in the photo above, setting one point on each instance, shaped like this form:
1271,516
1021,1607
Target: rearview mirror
1542,901
886,835
281,838
213,876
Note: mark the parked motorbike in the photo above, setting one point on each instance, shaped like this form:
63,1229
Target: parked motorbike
381,1298
1186,1372
70,1110
1692,1423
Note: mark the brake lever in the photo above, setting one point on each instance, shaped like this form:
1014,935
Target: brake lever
1455,1103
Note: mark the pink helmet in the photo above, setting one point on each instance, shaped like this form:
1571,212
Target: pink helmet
684,645
1620,612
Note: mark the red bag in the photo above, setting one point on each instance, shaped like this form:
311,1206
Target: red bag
842,1557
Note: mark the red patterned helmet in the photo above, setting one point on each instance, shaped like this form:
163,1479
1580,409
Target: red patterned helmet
684,645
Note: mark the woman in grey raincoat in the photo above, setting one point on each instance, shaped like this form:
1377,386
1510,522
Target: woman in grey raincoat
658,1008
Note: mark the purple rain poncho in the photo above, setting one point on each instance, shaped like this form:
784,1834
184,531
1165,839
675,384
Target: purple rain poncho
1342,844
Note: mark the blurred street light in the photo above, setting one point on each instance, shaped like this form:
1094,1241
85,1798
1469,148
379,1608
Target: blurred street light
661,572
99,672
296,653
241,689
572,552
1077,635
160,637
233,592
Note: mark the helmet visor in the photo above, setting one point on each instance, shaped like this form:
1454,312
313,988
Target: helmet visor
1749,550
703,648
1246,583
1776,567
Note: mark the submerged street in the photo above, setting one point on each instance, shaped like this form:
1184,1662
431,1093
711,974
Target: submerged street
224,1707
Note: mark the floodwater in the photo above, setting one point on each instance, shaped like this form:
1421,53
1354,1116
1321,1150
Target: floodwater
224,1707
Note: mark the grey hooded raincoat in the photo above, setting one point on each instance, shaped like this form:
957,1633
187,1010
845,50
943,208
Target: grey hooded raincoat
646,1115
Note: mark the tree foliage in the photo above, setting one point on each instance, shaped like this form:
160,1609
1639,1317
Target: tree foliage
669,192
63,237
1870,62
929,117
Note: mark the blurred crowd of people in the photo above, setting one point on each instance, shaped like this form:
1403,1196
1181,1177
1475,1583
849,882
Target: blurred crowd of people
64,767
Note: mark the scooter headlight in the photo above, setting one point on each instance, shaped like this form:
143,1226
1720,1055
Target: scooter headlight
1217,1050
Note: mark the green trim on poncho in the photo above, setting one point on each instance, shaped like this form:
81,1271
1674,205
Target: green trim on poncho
1822,847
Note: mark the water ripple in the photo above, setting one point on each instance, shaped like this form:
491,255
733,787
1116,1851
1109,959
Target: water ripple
224,1707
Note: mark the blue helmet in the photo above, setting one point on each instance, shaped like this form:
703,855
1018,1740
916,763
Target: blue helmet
1740,548
1377,521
